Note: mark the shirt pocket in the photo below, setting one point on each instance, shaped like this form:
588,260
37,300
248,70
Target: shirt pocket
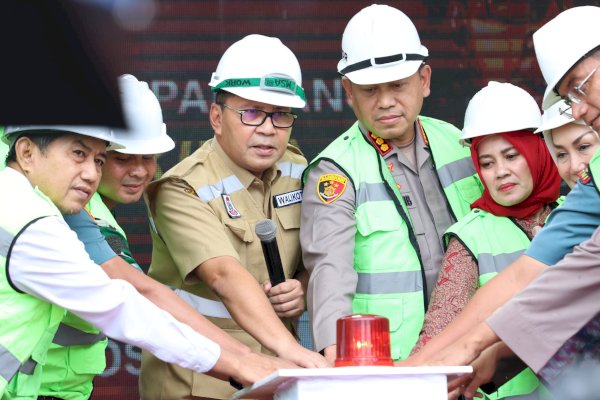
25,385
378,223
88,359
239,229
289,217
469,189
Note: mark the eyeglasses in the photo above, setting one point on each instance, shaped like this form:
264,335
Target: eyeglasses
252,117
567,112
577,93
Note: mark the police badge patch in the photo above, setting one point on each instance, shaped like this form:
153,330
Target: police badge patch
330,187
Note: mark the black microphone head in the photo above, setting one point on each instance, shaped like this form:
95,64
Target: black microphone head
265,230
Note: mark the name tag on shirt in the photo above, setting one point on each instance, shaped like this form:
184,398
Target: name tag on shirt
287,199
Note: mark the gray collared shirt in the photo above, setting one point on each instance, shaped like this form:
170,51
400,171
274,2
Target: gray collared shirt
327,236
426,203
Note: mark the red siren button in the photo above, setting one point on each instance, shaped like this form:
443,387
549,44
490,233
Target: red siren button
363,339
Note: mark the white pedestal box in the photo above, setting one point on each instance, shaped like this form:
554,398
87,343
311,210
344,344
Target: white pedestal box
360,383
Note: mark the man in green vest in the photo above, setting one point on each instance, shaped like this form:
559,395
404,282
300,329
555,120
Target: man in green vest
379,198
77,353
554,321
44,269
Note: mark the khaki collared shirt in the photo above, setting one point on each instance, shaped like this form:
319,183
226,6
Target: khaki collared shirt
327,234
207,207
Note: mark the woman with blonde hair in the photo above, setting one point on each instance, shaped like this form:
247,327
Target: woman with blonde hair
571,142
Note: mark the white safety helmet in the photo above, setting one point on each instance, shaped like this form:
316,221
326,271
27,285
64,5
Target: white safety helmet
146,132
12,132
260,68
557,51
380,44
500,107
555,117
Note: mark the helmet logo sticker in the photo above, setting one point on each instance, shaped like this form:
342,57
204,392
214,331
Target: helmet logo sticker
330,187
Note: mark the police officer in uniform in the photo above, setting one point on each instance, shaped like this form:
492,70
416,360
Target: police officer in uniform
204,211
379,198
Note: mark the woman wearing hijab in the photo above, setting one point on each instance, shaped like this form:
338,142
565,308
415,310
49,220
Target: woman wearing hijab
521,185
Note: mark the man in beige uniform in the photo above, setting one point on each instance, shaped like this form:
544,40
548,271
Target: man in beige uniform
386,99
205,209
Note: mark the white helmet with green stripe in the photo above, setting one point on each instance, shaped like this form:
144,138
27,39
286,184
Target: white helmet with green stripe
263,69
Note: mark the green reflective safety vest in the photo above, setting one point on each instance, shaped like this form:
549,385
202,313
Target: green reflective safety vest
494,243
78,351
28,323
110,229
386,255
594,170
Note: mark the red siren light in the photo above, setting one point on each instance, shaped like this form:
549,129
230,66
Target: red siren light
363,339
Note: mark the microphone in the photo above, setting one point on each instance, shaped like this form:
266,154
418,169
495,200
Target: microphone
265,230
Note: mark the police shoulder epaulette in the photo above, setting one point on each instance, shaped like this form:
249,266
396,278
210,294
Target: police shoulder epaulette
380,144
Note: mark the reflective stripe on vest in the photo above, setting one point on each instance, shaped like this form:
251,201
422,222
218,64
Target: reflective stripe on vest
67,335
455,171
9,364
28,367
371,192
389,282
206,307
490,263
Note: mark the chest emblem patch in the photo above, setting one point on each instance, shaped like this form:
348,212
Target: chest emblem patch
231,210
330,187
584,176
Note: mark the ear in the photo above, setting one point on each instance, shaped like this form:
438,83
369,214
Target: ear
25,152
347,85
216,118
425,78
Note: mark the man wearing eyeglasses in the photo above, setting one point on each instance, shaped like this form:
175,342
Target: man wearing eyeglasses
205,209
554,322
